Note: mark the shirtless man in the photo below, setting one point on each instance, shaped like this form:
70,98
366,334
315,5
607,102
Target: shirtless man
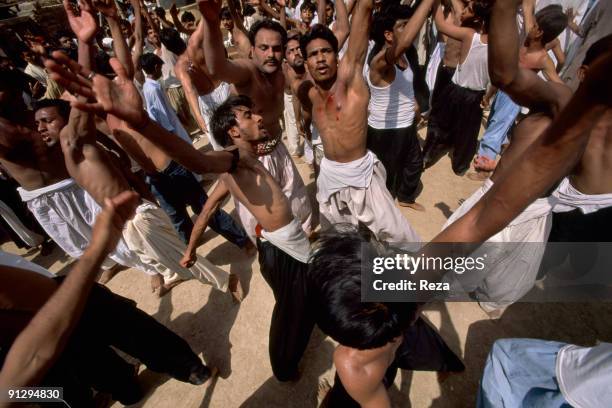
351,184
283,246
294,70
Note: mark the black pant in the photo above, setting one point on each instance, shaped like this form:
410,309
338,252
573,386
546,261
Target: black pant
454,125
400,153
89,361
422,350
292,318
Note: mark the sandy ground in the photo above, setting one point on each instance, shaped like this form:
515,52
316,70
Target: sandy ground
235,338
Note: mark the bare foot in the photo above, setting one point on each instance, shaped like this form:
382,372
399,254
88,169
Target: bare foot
161,288
415,206
235,288
250,249
109,274
479,175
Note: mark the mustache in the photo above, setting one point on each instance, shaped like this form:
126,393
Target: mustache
274,60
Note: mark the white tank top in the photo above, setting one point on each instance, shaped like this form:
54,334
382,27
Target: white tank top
208,103
392,106
473,73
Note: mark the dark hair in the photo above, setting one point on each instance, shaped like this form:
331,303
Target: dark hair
334,281
597,49
225,13
385,20
248,10
172,40
267,24
294,35
223,118
318,31
149,61
187,16
63,107
552,21
159,11
308,6
482,14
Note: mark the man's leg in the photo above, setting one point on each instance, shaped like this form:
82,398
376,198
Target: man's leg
504,115
411,167
521,373
292,321
465,128
387,145
293,137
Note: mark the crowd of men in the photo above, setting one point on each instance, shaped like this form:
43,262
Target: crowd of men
97,127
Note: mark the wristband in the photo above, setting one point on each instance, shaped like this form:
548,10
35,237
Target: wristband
235,159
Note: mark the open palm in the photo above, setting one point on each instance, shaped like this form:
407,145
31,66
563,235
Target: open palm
84,25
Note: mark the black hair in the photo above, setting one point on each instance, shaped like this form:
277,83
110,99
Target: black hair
334,281
225,13
267,24
187,16
552,21
294,35
482,15
318,31
308,6
248,10
159,11
224,117
172,40
63,107
385,20
597,49
149,61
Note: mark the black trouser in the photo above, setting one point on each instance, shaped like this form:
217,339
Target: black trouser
292,318
89,361
422,350
400,153
454,125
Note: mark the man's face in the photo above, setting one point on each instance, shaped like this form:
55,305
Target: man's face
126,29
329,13
49,123
66,42
227,23
534,33
467,13
321,60
189,25
268,50
293,54
398,28
306,15
153,37
249,131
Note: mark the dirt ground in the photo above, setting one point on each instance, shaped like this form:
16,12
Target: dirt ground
234,338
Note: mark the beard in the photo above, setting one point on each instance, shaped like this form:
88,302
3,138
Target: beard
266,146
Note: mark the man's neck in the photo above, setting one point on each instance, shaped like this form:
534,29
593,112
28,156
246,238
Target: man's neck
299,70
533,46
326,86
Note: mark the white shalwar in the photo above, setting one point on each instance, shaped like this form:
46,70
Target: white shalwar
356,192
291,240
511,268
284,171
569,198
67,213
151,236
28,236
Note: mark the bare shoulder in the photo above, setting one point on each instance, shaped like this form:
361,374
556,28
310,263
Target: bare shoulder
304,89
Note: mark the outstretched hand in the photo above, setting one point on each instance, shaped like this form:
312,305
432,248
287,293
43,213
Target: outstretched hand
106,7
109,223
118,97
84,25
210,9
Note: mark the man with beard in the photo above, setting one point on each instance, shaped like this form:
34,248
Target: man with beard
351,184
294,70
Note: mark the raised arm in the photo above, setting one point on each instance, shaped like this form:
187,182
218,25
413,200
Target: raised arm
109,10
351,65
191,93
522,85
177,23
84,27
138,42
551,157
239,32
43,340
212,205
409,33
448,28
341,28
235,72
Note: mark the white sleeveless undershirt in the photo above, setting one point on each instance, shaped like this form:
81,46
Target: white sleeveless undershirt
392,106
473,73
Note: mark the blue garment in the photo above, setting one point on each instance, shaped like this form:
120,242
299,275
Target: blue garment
159,109
521,373
176,188
503,115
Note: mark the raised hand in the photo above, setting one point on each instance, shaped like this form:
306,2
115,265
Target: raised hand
281,3
118,97
173,9
109,223
210,9
106,7
84,25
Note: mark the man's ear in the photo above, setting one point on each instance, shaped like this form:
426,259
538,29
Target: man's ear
234,132
582,71
388,35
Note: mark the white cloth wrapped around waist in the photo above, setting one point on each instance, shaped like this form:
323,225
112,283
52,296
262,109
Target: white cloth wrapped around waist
334,176
291,240
539,208
29,195
569,198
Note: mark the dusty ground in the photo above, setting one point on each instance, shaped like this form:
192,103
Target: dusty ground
235,338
